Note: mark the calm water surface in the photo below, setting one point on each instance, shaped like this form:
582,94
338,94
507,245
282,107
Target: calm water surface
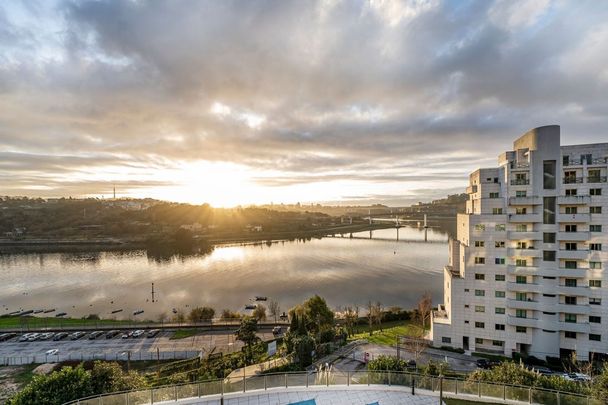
346,271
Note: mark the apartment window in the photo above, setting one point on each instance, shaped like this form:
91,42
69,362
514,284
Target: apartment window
586,158
521,228
571,210
570,335
499,311
570,228
499,326
499,260
499,277
595,283
597,338
499,244
521,262
480,308
478,341
549,174
520,329
549,255
499,294
480,227
595,228
480,276
570,282
548,237
521,211
466,290
520,193
445,339
521,279
570,177
466,305
522,245
479,243
570,318
521,296
466,322
570,300
494,195
480,293
497,211
548,210
595,265
498,343
521,313
595,319
499,227
480,325
570,264
595,191
595,246
480,260
595,301
571,246
595,210
593,176
571,191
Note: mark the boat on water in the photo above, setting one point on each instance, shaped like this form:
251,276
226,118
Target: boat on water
174,311
117,311
48,311
251,306
60,314
28,312
37,311
261,298
138,312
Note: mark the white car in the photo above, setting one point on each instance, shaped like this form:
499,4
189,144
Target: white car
51,352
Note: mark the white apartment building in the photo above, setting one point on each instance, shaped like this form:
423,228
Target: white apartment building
527,271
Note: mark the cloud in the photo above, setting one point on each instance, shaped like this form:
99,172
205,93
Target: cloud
382,92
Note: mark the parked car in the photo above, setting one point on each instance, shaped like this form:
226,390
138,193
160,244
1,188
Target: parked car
277,330
138,333
95,335
581,377
33,337
46,336
51,352
7,336
111,334
60,335
25,337
542,370
411,363
77,335
127,334
486,364
153,332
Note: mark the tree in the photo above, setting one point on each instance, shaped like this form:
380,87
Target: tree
600,385
315,314
109,377
56,388
303,347
179,316
425,304
247,332
274,309
162,317
351,316
228,315
374,315
200,314
415,343
259,312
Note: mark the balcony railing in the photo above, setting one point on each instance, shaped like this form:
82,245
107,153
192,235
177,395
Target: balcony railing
573,199
597,179
572,180
408,383
520,182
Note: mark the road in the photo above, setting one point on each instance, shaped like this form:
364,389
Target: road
143,348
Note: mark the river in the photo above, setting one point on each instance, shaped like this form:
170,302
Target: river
345,271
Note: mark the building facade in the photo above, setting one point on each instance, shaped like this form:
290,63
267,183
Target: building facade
526,272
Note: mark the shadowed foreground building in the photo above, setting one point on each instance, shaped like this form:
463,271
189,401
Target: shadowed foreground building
526,271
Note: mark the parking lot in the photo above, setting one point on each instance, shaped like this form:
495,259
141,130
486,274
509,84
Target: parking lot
160,346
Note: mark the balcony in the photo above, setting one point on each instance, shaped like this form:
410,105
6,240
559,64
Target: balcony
522,270
573,236
515,235
596,179
515,218
572,180
564,272
572,254
520,182
521,287
573,309
581,327
528,252
573,199
529,305
577,218
526,322
579,291
577,162
525,200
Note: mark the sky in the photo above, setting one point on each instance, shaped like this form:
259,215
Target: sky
253,102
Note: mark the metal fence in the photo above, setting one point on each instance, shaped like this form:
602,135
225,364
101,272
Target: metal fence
439,386
118,356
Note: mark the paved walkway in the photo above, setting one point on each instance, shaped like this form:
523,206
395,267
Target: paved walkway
322,396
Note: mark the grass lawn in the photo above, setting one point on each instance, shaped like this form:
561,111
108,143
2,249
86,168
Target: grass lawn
389,333
450,401
32,322
184,333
